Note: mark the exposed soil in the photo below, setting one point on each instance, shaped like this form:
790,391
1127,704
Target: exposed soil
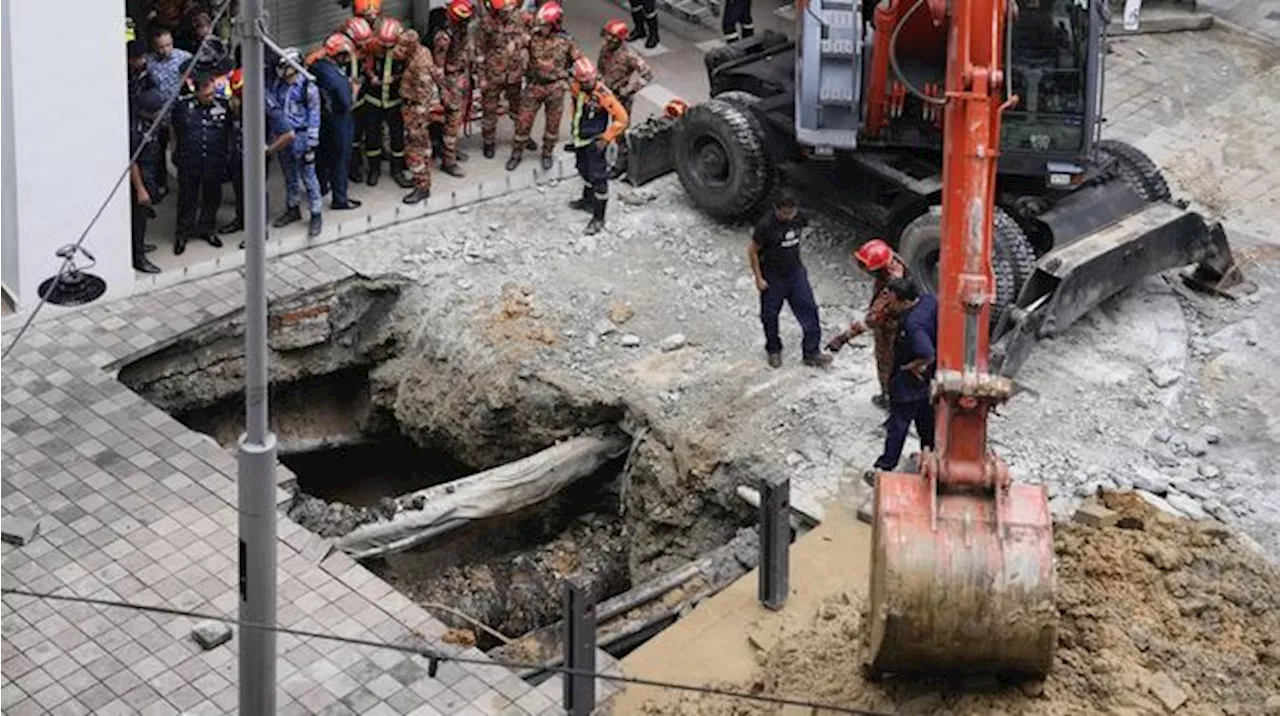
1155,612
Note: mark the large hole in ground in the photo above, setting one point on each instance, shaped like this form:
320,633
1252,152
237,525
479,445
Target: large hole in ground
494,579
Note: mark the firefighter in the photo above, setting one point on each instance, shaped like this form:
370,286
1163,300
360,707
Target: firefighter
451,48
550,59
644,15
368,10
914,366
500,53
382,94
361,33
624,72
598,120
421,92
736,21
876,258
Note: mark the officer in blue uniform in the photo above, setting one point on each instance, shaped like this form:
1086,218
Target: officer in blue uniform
337,123
914,364
203,127
279,136
300,99
143,108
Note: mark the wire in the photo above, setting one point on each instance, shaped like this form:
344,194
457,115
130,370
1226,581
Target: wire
435,657
147,137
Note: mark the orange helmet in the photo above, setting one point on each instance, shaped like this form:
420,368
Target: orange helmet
874,255
236,78
390,32
459,10
364,8
359,30
500,5
616,29
676,108
584,71
338,44
549,14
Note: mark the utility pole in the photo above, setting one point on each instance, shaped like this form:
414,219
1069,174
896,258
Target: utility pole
257,473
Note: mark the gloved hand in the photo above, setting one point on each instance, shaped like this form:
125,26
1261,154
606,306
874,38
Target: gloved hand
309,156
568,147
835,344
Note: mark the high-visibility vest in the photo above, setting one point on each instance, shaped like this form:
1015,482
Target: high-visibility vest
387,97
129,32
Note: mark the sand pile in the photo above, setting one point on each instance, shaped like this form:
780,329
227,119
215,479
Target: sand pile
1157,616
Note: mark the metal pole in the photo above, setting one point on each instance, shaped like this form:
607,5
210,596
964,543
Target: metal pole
579,647
775,542
258,445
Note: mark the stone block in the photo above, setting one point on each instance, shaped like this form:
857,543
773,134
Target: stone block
211,634
1095,515
1167,692
19,530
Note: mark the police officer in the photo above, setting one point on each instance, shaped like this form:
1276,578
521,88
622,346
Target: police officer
299,97
914,359
644,16
143,108
279,135
598,120
202,124
337,124
774,256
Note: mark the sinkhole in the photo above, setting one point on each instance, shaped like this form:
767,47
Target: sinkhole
551,492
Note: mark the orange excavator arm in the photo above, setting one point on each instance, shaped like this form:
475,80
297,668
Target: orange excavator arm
962,564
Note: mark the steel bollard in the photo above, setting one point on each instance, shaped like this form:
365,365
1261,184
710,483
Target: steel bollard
775,541
579,647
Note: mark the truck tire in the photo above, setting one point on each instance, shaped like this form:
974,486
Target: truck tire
1012,258
721,55
742,98
1136,169
719,153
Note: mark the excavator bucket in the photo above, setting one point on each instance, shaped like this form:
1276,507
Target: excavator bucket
961,583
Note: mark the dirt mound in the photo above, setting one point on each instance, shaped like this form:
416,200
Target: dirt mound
1157,616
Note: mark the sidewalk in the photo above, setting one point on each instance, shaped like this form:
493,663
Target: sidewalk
1260,17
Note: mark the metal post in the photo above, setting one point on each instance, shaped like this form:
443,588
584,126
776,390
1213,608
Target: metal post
775,541
258,445
579,647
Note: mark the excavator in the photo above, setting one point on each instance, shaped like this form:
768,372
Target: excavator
1019,228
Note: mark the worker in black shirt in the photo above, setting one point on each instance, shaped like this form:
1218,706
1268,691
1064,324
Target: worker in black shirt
774,256
143,108
203,127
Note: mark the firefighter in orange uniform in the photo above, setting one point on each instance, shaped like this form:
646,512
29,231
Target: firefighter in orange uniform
598,121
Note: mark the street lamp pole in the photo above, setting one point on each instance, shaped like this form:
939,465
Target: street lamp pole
257,458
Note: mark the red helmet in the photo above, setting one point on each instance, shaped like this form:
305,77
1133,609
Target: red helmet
584,70
617,29
459,10
338,44
236,78
499,5
365,8
359,30
874,255
549,14
390,32
676,108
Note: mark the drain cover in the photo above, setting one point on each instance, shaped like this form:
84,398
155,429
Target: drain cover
72,288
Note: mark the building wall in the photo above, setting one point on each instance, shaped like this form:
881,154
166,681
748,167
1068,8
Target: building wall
69,142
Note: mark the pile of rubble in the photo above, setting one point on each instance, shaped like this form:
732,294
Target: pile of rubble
1158,615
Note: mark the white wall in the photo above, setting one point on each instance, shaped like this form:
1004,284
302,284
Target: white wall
70,141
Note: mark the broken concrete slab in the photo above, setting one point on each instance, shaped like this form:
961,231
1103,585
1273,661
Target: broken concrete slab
19,530
1162,506
211,634
1187,505
1095,515
1166,691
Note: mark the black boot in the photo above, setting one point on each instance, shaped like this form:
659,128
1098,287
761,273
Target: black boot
452,170
514,161
461,155
356,175
375,171
530,145
232,227
489,150
288,217
416,196
314,227
179,245
652,41
637,26
547,162
399,173
597,217
584,203
143,264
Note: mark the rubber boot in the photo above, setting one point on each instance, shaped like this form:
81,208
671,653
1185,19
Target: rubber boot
547,162
416,196
514,161
356,175
597,217
637,26
530,145
400,174
584,203
652,41
375,171
489,151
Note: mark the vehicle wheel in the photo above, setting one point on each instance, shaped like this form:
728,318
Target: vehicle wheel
1136,169
742,98
718,150
721,55
1012,260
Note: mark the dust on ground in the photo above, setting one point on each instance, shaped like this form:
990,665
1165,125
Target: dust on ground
1158,615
